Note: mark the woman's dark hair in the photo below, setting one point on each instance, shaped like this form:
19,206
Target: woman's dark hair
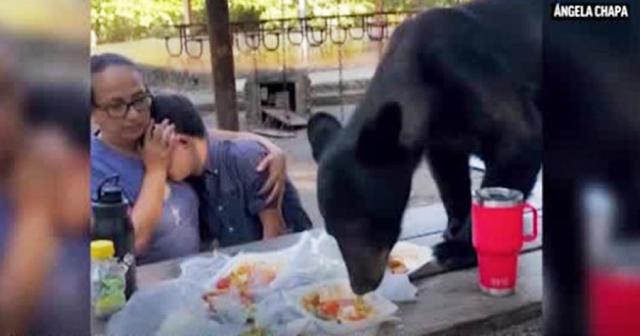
181,112
102,61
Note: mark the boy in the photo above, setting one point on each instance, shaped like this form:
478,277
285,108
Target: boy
228,182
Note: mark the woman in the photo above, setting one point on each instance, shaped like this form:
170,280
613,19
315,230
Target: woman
164,213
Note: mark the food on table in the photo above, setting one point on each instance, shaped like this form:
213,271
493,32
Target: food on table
242,280
332,305
406,257
397,266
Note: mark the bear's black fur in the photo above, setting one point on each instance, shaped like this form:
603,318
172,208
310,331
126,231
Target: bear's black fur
453,82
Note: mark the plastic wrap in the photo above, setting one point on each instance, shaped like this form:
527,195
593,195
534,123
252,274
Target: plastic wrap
148,309
177,307
201,269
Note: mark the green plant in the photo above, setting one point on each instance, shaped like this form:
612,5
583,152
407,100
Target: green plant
119,20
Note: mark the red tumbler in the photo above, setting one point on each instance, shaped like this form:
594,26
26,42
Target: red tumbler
497,233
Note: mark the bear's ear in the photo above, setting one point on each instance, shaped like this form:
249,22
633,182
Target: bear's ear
321,130
379,139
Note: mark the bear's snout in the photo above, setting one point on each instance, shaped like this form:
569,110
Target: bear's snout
366,270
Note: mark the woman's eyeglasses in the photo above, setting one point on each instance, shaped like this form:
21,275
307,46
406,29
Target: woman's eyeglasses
120,110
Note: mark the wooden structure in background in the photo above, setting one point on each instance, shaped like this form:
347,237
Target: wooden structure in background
224,82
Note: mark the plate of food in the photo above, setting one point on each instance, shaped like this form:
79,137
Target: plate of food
337,310
406,257
244,278
241,283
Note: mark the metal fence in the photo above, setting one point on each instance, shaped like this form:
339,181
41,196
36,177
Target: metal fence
280,100
271,35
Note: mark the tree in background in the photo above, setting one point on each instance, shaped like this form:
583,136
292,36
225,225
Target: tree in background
121,20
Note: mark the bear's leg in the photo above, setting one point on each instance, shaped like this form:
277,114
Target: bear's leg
450,169
516,172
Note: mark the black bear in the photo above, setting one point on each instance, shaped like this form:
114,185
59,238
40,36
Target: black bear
453,82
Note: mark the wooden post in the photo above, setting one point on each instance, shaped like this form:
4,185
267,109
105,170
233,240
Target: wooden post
186,17
224,81
302,12
187,11
378,19
379,6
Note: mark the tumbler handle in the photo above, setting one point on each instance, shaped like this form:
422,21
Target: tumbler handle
532,237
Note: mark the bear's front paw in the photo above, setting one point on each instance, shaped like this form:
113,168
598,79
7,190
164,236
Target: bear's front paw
455,255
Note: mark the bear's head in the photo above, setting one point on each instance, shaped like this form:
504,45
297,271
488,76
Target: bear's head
364,181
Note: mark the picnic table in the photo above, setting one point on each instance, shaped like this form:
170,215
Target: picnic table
449,302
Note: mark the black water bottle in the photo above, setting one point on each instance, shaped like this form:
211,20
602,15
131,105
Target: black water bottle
111,221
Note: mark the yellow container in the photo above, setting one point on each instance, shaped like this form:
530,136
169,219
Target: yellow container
102,249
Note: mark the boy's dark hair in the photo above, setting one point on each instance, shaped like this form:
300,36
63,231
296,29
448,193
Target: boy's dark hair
181,112
100,62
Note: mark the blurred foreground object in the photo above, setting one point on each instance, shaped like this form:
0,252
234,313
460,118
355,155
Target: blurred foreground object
45,269
613,266
44,168
61,20
592,174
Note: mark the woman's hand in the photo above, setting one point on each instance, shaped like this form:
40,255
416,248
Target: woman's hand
272,218
147,211
276,163
158,142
